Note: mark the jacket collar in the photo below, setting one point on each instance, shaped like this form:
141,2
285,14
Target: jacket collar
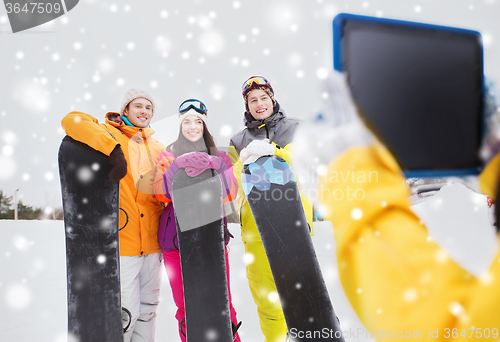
114,120
279,114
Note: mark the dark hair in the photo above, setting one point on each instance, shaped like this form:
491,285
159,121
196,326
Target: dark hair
182,145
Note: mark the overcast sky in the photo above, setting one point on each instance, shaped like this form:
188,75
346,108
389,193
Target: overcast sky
88,58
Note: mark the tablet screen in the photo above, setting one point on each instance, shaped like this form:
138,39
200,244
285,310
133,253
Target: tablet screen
420,88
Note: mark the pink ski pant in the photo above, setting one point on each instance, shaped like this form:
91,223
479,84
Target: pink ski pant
173,266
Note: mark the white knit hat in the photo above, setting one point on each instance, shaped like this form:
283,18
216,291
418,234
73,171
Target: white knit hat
133,94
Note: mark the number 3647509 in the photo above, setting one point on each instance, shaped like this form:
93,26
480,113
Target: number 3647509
471,333
33,7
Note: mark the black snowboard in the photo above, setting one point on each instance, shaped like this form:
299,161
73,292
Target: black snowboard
91,205
274,199
200,230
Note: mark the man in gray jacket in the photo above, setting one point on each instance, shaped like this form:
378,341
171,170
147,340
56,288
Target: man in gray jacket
268,132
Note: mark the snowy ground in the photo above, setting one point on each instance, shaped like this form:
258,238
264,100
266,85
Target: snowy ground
33,284
33,269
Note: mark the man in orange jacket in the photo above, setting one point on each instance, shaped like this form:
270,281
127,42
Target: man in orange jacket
127,138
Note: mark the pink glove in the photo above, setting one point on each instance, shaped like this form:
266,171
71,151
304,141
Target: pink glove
197,162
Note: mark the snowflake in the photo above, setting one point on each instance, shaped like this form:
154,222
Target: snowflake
322,73
248,258
410,295
487,39
20,242
85,174
294,59
106,223
18,296
211,42
226,131
101,259
162,44
105,64
8,150
204,22
273,296
211,335
8,168
356,213
217,91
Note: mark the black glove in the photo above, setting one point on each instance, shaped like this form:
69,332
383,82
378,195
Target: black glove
119,164
235,328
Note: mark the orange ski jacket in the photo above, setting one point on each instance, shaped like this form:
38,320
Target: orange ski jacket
139,209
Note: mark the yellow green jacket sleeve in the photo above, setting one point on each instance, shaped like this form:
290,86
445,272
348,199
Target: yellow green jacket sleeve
395,276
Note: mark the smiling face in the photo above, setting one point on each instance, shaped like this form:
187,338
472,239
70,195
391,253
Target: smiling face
192,128
139,112
260,104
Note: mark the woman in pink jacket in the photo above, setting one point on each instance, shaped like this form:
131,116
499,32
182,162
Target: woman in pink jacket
195,147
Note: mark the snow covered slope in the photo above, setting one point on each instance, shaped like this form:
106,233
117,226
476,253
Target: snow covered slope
33,270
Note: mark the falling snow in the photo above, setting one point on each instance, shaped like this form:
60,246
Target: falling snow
205,45
356,213
85,174
18,296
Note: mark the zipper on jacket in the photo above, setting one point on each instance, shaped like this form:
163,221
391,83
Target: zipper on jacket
265,126
241,208
166,225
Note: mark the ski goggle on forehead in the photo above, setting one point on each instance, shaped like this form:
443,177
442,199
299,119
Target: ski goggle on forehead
197,105
257,80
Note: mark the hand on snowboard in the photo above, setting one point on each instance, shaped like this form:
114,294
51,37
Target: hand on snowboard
119,164
256,149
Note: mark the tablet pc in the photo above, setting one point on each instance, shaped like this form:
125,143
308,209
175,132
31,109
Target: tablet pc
419,88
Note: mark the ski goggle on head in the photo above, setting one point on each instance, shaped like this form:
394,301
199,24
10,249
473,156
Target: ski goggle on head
255,82
197,105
